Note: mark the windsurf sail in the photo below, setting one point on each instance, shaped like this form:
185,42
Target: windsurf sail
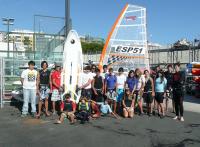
126,44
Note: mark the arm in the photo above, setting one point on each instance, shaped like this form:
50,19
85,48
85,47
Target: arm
153,88
38,82
95,92
88,83
117,117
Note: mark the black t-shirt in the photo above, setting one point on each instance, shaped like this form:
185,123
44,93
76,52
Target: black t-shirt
98,83
44,77
169,77
148,86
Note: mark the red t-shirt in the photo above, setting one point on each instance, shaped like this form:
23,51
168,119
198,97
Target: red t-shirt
56,76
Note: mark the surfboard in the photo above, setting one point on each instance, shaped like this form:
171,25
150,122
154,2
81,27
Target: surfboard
72,65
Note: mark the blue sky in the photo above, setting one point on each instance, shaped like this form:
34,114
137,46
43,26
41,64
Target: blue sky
167,20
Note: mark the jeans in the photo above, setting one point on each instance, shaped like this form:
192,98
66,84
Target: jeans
29,94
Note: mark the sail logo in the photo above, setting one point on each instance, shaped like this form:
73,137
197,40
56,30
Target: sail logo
128,49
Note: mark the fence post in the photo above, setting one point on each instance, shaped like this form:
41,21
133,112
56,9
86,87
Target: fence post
1,81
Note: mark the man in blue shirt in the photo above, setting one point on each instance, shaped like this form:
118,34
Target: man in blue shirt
110,87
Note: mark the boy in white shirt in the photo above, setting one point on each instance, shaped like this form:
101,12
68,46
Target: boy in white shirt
29,80
121,80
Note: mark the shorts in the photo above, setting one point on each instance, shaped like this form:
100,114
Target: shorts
148,97
111,94
120,94
159,97
44,92
55,95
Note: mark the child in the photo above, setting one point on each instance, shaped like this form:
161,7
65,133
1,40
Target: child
68,108
95,109
105,109
83,110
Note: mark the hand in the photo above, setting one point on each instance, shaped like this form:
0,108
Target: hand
153,94
38,93
95,93
165,94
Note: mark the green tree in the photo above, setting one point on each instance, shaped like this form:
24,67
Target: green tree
92,47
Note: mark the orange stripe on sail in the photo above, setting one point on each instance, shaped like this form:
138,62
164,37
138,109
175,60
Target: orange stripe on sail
109,36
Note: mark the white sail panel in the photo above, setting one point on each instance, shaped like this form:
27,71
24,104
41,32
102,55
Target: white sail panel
126,45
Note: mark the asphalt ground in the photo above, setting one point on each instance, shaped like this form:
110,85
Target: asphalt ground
141,131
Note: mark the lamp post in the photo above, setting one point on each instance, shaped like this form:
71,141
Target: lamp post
8,22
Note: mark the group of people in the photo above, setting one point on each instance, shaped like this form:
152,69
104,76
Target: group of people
103,93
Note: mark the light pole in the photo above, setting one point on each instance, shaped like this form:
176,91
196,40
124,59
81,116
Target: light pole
68,22
8,22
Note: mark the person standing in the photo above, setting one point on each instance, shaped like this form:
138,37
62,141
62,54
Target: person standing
121,80
160,89
44,88
169,77
97,86
149,91
110,87
138,89
178,92
56,86
86,84
29,80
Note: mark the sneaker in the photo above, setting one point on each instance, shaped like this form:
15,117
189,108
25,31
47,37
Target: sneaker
175,118
24,115
182,119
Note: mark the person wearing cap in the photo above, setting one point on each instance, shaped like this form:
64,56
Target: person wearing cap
29,80
68,109
56,86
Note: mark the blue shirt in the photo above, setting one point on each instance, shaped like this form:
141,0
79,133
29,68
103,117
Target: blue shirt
131,83
160,87
111,81
105,109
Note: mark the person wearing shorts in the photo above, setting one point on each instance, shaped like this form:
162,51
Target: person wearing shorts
68,109
86,84
160,89
44,87
138,89
149,92
56,86
110,87
97,86
121,80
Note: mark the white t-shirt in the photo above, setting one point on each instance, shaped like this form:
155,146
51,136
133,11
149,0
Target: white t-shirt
121,79
85,78
30,78
103,74
139,82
